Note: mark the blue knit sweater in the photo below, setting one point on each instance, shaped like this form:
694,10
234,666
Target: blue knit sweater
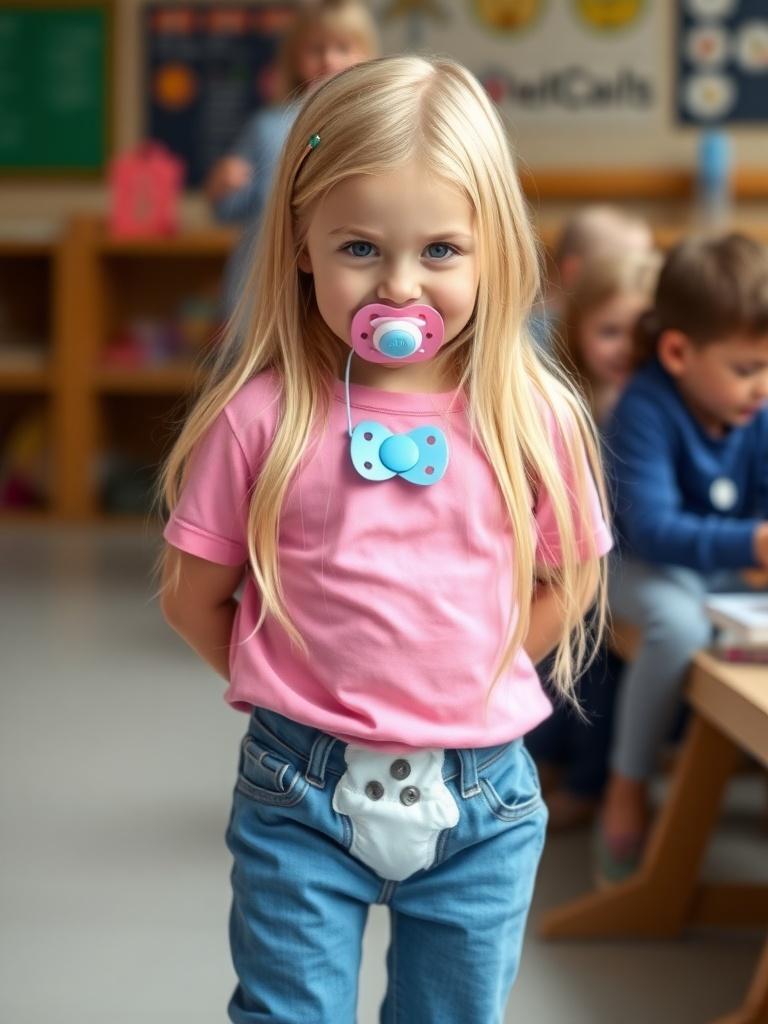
681,496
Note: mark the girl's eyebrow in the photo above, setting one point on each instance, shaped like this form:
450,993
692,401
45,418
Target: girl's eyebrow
350,229
456,234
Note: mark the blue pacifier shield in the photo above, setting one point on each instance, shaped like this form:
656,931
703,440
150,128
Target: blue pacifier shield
420,456
367,438
433,456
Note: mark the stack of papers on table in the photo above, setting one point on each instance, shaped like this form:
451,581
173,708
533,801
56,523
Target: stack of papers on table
742,625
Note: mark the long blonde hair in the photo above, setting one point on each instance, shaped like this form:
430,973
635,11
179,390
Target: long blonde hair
371,118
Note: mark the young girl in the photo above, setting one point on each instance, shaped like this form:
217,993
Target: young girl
326,37
688,442
601,312
412,502
596,233
595,346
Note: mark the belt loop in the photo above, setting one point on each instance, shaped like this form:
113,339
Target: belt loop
469,782
318,759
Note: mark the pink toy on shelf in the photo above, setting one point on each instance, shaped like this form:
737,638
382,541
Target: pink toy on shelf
145,184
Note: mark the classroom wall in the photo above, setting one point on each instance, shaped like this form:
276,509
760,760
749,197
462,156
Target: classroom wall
543,139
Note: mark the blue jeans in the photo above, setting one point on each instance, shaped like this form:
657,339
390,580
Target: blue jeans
300,899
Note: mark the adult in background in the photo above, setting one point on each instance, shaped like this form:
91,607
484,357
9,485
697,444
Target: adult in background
327,37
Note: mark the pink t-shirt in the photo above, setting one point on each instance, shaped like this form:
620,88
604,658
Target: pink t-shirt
400,591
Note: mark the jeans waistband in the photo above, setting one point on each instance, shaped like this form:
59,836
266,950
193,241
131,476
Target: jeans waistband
323,754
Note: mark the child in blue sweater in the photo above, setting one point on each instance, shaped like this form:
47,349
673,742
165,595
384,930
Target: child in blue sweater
688,455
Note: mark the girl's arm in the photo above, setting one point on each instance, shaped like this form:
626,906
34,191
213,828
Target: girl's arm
546,625
198,603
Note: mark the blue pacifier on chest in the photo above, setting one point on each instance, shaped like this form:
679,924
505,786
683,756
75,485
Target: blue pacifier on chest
419,456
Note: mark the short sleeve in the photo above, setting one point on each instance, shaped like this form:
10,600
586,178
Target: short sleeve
592,534
210,519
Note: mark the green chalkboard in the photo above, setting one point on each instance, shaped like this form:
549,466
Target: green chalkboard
55,88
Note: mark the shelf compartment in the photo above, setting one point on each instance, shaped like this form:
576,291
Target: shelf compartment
26,456
136,432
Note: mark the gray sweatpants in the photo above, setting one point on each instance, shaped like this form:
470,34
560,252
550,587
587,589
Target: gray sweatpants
666,604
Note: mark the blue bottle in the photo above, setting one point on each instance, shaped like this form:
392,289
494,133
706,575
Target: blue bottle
713,178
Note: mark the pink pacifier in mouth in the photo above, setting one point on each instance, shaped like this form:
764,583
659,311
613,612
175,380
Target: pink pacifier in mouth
388,334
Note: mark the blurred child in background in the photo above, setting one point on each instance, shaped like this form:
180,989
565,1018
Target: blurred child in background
326,37
600,315
595,234
688,450
595,346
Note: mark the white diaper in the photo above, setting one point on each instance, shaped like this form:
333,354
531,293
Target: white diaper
398,804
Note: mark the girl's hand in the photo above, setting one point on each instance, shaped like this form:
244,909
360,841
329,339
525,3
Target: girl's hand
228,175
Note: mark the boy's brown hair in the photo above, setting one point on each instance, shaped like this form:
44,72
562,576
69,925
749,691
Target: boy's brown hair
709,289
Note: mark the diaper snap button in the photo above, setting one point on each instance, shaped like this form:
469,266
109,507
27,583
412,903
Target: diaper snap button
409,795
374,790
400,769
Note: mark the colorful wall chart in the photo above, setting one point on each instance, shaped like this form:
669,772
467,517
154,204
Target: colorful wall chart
722,61
207,68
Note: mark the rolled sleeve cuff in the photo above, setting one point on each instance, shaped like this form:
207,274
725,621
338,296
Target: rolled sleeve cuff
190,538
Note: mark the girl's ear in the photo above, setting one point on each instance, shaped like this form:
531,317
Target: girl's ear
674,349
304,262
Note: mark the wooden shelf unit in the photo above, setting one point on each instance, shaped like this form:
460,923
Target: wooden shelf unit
126,410
30,354
96,285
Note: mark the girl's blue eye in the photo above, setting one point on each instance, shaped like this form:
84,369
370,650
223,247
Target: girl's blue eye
440,250
360,249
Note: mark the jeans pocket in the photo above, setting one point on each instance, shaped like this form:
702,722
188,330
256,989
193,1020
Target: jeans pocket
267,776
510,784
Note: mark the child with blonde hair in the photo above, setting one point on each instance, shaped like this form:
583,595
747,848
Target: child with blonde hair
688,443
600,315
415,508
326,37
596,234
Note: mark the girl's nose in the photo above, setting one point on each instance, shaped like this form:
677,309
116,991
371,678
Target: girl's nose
399,287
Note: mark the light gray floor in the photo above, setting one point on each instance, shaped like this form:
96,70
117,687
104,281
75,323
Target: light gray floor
117,765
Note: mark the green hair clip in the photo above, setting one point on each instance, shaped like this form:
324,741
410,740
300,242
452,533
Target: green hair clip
312,143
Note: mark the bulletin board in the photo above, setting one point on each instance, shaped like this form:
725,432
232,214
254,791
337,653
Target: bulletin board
55,70
588,88
722,62
208,67
558,64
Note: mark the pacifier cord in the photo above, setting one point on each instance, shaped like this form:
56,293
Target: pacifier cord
346,391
